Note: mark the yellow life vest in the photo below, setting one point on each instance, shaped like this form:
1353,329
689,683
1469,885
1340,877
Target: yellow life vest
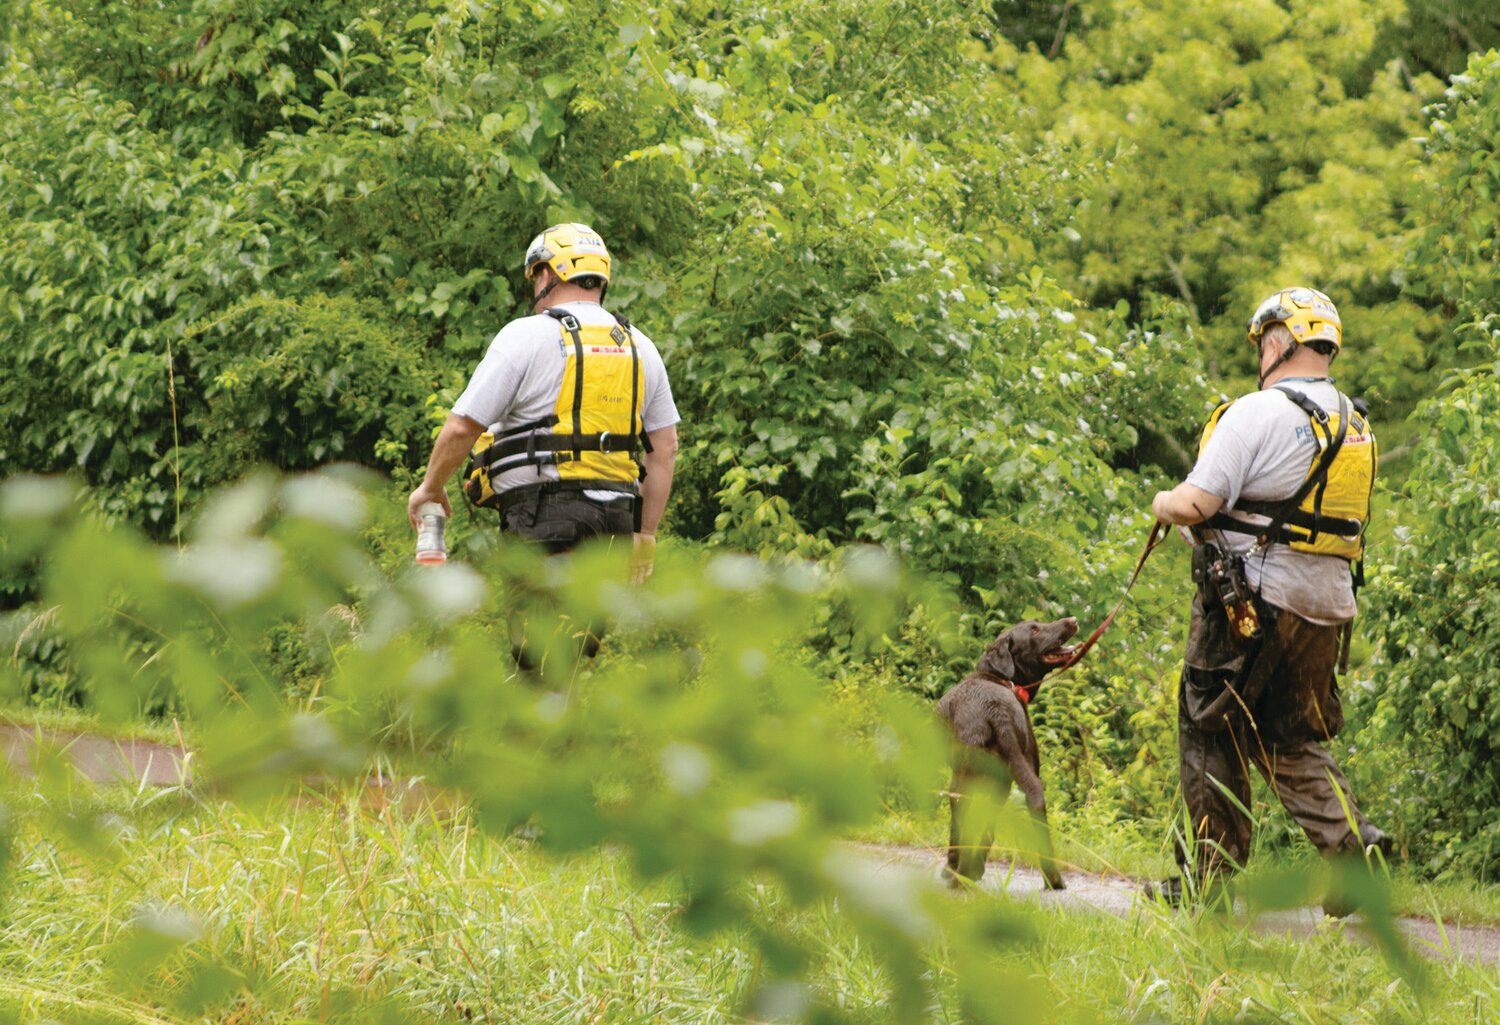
596,432
1334,511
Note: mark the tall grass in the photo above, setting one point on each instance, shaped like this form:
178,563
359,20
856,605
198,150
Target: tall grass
328,908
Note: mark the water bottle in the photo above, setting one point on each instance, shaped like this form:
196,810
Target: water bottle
430,547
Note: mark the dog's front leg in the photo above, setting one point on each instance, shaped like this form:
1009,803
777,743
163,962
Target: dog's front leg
1051,874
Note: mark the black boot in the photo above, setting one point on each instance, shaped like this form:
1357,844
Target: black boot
1372,837
1212,894
1338,903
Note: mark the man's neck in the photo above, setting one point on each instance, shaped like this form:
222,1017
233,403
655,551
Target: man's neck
1304,363
566,293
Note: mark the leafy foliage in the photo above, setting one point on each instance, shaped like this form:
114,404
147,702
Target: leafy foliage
1437,593
711,760
717,766
948,291
1439,600
321,215
1455,255
1246,150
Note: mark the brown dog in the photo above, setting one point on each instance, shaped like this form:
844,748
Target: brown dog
993,738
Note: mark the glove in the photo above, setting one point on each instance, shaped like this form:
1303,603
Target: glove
642,558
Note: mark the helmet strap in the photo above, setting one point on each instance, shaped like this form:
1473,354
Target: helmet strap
1290,350
543,293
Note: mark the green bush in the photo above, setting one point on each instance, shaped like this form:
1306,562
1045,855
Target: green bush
1453,256
1244,150
280,248
1434,593
1437,596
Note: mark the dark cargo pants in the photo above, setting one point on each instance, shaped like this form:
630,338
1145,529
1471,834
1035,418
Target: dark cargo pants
1276,718
559,521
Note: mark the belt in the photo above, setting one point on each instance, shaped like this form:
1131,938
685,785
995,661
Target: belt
512,497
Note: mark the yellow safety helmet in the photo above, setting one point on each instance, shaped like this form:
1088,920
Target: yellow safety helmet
571,250
1307,313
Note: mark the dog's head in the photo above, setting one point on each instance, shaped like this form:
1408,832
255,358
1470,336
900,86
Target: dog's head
1029,651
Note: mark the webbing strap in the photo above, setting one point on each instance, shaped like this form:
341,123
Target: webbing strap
570,325
532,444
1319,474
535,425
1314,525
635,375
1157,536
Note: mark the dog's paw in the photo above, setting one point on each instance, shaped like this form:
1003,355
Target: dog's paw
1055,882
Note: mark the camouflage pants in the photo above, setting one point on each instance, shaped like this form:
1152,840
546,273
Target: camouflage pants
1274,715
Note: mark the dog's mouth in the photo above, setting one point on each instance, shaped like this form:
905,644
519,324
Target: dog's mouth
1063,654
1060,656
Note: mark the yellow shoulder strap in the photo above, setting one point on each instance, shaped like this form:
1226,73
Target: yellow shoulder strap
1213,421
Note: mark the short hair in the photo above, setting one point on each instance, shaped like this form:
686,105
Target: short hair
1279,332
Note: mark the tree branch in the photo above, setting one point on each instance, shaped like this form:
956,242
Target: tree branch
1183,288
1062,29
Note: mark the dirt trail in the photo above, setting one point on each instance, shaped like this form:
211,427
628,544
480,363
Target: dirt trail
135,762
100,759
1120,896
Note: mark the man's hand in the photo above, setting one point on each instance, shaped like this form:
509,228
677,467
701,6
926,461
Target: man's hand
1185,505
1159,506
448,453
421,497
642,558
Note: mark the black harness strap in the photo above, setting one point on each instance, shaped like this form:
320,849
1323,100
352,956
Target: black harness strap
544,449
1297,518
635,377
535,425
570,325
1319,476
635,392
532,444
1288,510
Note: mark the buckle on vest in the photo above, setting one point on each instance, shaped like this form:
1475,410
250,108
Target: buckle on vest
603,441
569,321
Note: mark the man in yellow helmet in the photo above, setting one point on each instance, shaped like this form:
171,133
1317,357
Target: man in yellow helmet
582,424
1277,503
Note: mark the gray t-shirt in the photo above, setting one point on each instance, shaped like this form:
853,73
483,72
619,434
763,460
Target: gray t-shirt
520,377
1262,449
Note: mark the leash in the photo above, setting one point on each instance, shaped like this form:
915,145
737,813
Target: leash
1158,534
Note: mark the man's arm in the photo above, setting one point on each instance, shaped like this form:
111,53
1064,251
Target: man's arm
660,462
454,443
655,489
1185,505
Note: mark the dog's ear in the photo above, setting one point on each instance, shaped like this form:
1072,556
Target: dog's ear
997,660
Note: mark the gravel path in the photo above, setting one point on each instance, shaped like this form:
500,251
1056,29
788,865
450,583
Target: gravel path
1120,896
101,759
137,762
